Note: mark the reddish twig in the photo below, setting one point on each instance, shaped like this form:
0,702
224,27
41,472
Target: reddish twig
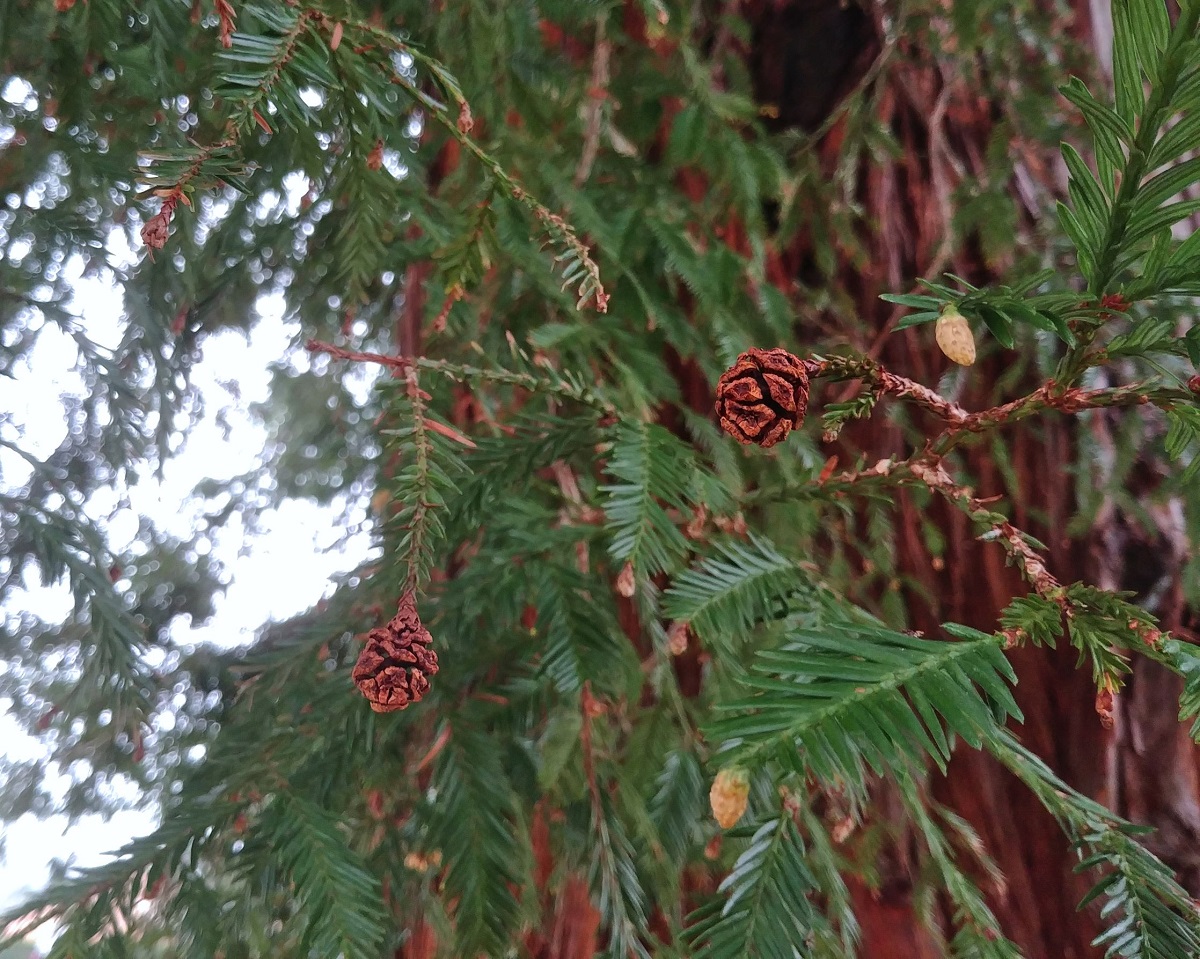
933,474
922,396
354,356
590,707
883,381
438,745
1049,396
930,472
594,111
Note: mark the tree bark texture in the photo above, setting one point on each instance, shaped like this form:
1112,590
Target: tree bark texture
808,57
805,56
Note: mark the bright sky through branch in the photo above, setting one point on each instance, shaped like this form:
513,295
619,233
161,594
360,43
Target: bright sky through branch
274,572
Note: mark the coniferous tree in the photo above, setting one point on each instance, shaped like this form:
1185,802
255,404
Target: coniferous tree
625,685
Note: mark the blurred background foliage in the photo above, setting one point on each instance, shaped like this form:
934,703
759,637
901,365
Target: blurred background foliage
747,173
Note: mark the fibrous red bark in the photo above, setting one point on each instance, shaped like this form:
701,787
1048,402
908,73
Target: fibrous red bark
1144,768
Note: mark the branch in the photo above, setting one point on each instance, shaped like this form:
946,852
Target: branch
933,474
1071,400
154,233
580,268
597,93
880,380
1050,396
564,388
400,363
929,471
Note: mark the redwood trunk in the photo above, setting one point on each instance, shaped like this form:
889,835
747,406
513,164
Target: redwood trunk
806,55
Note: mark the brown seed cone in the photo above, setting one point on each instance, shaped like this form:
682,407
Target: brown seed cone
762,396
394,667
157,230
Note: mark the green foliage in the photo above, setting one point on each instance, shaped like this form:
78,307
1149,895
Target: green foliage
69,547
1183,437
837,415
1185,659
1116,213
655,473
1146,911
466,258
615,883
978,934
338,898
421,485
848,698
728,593
678,804
765,911
583,641
1001,308
449,180
1037,617
471,822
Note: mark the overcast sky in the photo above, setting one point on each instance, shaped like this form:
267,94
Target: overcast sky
284,570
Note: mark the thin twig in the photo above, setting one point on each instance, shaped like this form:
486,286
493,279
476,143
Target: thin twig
929,472
588,705
961,424
1050,397
563,388
597,93
355,356
881,381
438,745
933,474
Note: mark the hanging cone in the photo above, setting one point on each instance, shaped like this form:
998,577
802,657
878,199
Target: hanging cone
394,667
